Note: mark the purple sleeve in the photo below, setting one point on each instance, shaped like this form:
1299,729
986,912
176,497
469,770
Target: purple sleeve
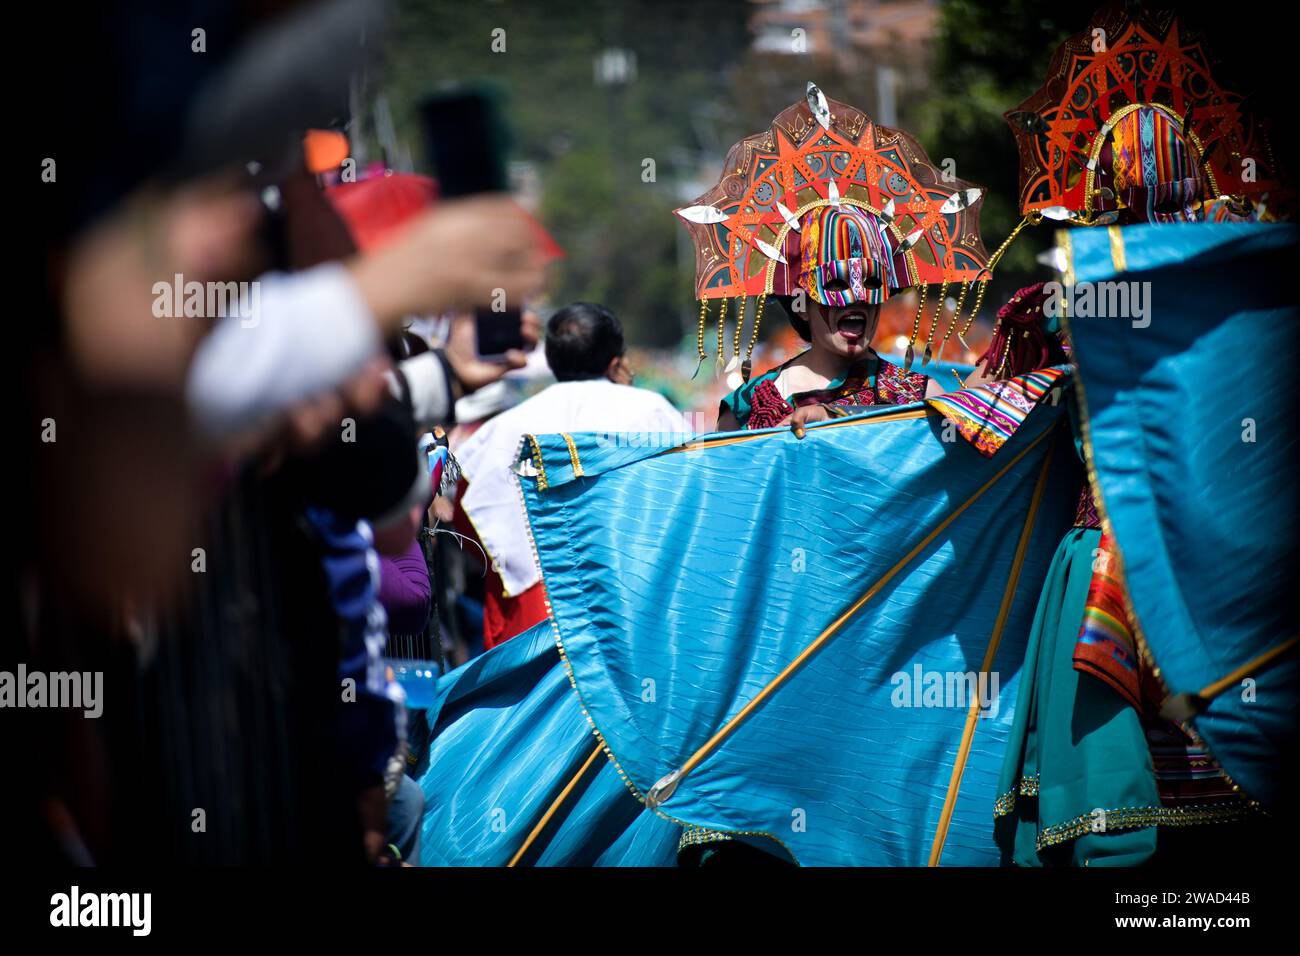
404,590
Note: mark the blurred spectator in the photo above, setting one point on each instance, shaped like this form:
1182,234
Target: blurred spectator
202,535
404,589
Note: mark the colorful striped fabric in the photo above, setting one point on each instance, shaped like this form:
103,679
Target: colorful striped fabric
1186,773
1155,169
848,244
1106,647
988,415
1086,514
860,386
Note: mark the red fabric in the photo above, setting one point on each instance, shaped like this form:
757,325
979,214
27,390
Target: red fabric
377,209
504,617
767,408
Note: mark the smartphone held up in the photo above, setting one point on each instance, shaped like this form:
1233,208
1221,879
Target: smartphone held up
467,142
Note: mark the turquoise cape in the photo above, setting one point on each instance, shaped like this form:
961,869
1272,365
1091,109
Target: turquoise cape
1192,437
777,638
508,735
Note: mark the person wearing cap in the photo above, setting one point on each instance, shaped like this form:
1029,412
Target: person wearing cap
1097,772
831,214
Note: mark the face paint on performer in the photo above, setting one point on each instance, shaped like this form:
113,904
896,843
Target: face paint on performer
844,330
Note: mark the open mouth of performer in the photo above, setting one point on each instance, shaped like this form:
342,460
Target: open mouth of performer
845,330
850,327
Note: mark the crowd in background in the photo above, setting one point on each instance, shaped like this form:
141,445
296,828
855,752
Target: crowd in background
242,390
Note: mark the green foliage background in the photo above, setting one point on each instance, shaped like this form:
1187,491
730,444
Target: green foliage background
620,238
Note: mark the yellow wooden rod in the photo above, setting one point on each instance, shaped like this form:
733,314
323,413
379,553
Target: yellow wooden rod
550,811
972,716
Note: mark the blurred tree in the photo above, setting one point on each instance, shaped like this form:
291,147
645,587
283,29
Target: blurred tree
989,57
589,140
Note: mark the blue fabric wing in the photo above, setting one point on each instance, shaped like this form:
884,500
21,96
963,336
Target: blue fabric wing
683,582
508,738
1192,437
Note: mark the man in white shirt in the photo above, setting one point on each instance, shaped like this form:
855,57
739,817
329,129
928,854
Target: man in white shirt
593,393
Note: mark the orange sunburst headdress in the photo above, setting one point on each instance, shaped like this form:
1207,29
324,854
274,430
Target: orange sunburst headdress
1132,118
894,218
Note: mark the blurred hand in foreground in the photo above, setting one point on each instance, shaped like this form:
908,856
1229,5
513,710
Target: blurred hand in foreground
463,253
